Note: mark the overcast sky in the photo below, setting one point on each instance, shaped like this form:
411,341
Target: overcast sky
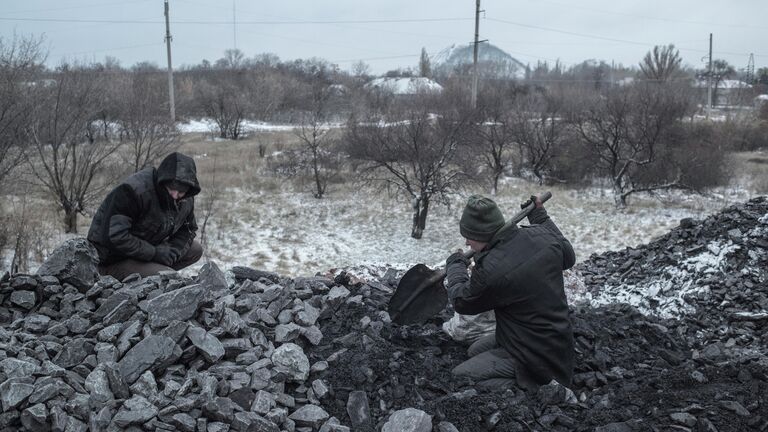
390,34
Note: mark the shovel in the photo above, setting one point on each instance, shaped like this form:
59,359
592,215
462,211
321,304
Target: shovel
420,293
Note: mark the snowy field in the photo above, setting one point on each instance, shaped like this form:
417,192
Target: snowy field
274,224
297,235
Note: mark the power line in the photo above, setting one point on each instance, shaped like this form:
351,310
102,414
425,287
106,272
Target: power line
573,6
230,22
590,36
88,6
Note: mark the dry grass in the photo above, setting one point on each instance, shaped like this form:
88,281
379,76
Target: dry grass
751,170
234,172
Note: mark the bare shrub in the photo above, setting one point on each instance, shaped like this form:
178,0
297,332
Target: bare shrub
412,154
70,163
20,64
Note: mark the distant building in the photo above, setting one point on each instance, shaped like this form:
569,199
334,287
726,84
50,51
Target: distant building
404,86
729,92
761,101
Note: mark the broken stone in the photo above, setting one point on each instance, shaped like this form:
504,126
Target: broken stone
408,420
208,345
74,262
310,416
290,359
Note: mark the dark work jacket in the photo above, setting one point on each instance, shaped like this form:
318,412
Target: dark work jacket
139,214
520,276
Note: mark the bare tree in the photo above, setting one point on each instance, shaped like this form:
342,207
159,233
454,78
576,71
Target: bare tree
67,156
317,140
414,155
493,133
721,70
539,129
425,68
144,123
625,129
20,62
221,99
661,64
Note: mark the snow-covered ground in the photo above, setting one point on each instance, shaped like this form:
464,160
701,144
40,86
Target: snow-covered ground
295,234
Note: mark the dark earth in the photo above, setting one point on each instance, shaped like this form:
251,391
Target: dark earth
706,371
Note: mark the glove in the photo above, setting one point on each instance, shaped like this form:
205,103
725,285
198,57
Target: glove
457,257
165,255
528,202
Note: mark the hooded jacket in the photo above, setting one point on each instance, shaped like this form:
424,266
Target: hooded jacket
139,214
520,276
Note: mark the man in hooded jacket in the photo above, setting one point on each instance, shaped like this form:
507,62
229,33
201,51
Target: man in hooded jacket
518,274
147,223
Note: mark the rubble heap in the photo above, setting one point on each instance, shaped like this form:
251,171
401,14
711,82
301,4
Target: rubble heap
683,349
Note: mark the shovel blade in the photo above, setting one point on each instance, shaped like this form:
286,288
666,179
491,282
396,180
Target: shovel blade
419,295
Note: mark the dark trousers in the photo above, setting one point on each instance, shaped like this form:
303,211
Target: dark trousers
489,365
122,269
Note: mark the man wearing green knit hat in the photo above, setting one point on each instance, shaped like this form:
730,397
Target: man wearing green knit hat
518,274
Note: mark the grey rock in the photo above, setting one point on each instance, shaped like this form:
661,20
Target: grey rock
310,416
176,330
220,409
24,299
208,345
35,418
320,388
336,296
445,426
212,279
177,305
116,382
151,352
287,332
132,330
735,407
145,386
36,323
109,333
683,418
358,409
74,262
308,315
252,422
333,425
408,420
105,352
136,410
121,313
212,427
185,422
14,391
290,359
312,334
97,385
263,402
15,368
615,427
242,273
113,303
73,353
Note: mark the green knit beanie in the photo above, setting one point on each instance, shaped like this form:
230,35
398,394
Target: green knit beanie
481,219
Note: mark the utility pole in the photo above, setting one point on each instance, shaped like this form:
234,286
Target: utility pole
709,79
751,69
473,102
234,23
170,67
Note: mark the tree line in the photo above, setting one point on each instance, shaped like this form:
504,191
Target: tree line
79,126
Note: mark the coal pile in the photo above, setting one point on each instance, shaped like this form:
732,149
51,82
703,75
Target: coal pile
685,348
